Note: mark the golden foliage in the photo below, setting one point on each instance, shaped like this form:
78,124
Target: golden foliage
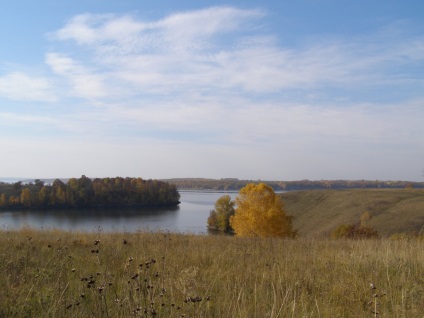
260,213
3,200
26,197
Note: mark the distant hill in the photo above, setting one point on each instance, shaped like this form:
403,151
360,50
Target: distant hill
318,212
233,184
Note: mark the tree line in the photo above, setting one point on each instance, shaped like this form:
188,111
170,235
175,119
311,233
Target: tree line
233,184
84,193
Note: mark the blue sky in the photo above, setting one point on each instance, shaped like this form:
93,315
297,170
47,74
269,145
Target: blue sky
272,90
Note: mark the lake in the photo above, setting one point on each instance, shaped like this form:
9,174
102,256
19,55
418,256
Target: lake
189,217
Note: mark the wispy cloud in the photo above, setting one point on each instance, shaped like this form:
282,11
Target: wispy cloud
216,51
197,71
84,82
220,81
185,30
23,87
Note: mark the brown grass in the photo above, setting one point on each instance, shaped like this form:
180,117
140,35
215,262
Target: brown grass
318,212
46,274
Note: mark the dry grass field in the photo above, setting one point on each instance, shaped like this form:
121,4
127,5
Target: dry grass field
318,212
61,274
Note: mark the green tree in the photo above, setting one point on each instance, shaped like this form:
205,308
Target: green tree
39,184
43,196
212,220
17,188
57,196
219,218
260,213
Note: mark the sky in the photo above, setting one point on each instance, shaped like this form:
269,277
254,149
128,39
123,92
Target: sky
269,90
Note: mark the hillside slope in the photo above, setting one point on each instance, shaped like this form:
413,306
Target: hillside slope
318,212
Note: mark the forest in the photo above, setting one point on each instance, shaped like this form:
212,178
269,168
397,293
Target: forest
86,193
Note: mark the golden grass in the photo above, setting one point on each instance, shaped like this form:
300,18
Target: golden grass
318,212
62,274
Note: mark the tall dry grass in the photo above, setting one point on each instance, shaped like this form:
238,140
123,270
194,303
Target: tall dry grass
319,212
62,274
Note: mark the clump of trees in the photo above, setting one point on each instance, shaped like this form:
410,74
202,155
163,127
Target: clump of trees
259,212
219,218
356,231
353,231
85,192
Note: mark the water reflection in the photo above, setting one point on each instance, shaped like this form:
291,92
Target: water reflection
190,216
123,219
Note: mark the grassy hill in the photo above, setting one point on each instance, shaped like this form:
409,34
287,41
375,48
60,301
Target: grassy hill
318,212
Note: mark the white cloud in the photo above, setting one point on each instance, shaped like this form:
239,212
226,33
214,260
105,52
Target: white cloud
22,87
215,83
174,30
85,83
215,51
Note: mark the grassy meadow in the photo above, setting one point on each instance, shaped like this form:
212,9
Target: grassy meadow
63,274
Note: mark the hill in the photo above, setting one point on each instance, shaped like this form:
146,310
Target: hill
234,184
318,212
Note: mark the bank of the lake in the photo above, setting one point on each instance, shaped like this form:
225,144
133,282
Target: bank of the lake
316,213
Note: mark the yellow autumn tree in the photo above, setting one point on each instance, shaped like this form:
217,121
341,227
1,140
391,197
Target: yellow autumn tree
260,213
3,200
26,197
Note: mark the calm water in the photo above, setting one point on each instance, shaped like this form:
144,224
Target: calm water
190,216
